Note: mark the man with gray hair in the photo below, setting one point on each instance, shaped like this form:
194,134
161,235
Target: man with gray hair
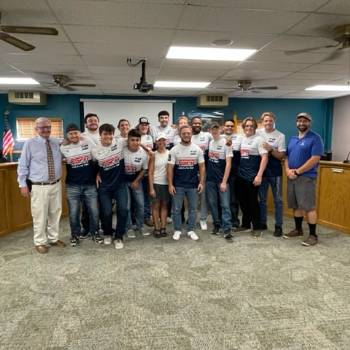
39,172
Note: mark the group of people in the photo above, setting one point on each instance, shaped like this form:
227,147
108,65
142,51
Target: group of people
152,174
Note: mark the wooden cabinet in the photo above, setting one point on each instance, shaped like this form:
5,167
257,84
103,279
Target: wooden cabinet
333,200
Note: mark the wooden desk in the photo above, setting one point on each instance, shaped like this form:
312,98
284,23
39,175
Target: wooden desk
15,209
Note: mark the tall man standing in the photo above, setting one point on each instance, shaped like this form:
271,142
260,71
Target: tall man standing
185,161
91,122
236,140
164,128
40,167
275,144
303,155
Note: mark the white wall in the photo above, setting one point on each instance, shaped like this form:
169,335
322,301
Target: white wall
341,128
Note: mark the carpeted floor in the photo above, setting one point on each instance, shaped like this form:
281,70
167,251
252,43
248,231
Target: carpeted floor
264,293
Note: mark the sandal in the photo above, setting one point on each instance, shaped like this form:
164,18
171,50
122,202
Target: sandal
156,233
163,232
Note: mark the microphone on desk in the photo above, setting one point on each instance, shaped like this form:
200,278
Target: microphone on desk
347,159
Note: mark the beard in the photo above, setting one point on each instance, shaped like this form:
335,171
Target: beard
302,128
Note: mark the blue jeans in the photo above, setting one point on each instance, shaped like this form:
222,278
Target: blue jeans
106,195
147,204
203,205
192,198
138,202
215,197
76,195
276,187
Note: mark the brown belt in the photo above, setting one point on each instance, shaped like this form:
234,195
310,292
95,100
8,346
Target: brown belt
45,183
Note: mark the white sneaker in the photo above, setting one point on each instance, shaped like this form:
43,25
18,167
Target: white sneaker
145,233
193,235
169,220
176,235
203,224
118,244
107,240
131,234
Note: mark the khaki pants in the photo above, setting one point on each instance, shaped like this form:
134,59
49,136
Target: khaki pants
46,208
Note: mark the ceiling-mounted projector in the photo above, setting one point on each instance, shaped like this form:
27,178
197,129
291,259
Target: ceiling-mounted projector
142,86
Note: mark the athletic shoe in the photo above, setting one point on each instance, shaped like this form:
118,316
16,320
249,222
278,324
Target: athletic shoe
107,240
311,240
278,231
193,235
131,234
176,235
169,220
203,225
294,233
118,244
228,235
257,233
74,241
216,231
84,235
163,232
97,238
144,232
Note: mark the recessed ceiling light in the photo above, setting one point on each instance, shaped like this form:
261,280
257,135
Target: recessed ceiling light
181,84
209,53
222,42
329,88
17,81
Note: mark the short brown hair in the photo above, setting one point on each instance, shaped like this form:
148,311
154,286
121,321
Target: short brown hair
267,114
249,119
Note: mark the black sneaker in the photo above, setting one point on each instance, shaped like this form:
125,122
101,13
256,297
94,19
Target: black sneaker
228,235
278,231
97,238
216,231
84,235
163,232
263,227
74,241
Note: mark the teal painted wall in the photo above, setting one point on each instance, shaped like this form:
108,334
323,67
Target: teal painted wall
68,108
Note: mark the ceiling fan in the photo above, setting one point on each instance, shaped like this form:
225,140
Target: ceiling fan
64,81
246,85
341,34
12,40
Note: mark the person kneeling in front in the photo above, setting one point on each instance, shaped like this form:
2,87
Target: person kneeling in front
185,161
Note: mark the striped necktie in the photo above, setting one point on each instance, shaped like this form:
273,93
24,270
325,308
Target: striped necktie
50,162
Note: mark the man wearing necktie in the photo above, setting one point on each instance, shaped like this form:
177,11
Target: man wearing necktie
40,167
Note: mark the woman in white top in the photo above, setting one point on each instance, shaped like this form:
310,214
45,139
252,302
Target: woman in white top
158,186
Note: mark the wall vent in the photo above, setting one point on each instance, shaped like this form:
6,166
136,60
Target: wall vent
27,97
212,101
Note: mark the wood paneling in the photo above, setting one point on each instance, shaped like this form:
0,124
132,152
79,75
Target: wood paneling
334,196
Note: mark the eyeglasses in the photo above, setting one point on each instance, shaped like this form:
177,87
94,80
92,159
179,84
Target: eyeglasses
44,127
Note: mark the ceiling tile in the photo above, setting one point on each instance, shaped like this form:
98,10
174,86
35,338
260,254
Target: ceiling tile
239,21
341,7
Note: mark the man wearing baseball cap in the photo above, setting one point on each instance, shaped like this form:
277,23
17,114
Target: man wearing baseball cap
302,157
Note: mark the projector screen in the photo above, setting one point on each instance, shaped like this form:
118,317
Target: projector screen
111,111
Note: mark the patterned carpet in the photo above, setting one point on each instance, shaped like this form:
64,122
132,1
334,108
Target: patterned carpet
264,293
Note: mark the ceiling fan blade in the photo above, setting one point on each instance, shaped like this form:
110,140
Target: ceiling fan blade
16,42
83,85
295,52
66,87
29,30
263,88
334,55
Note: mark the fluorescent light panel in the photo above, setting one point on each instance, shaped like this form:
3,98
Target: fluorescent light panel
329,88
18,81
181,84
209,53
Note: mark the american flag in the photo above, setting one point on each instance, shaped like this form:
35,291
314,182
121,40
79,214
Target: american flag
7,139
